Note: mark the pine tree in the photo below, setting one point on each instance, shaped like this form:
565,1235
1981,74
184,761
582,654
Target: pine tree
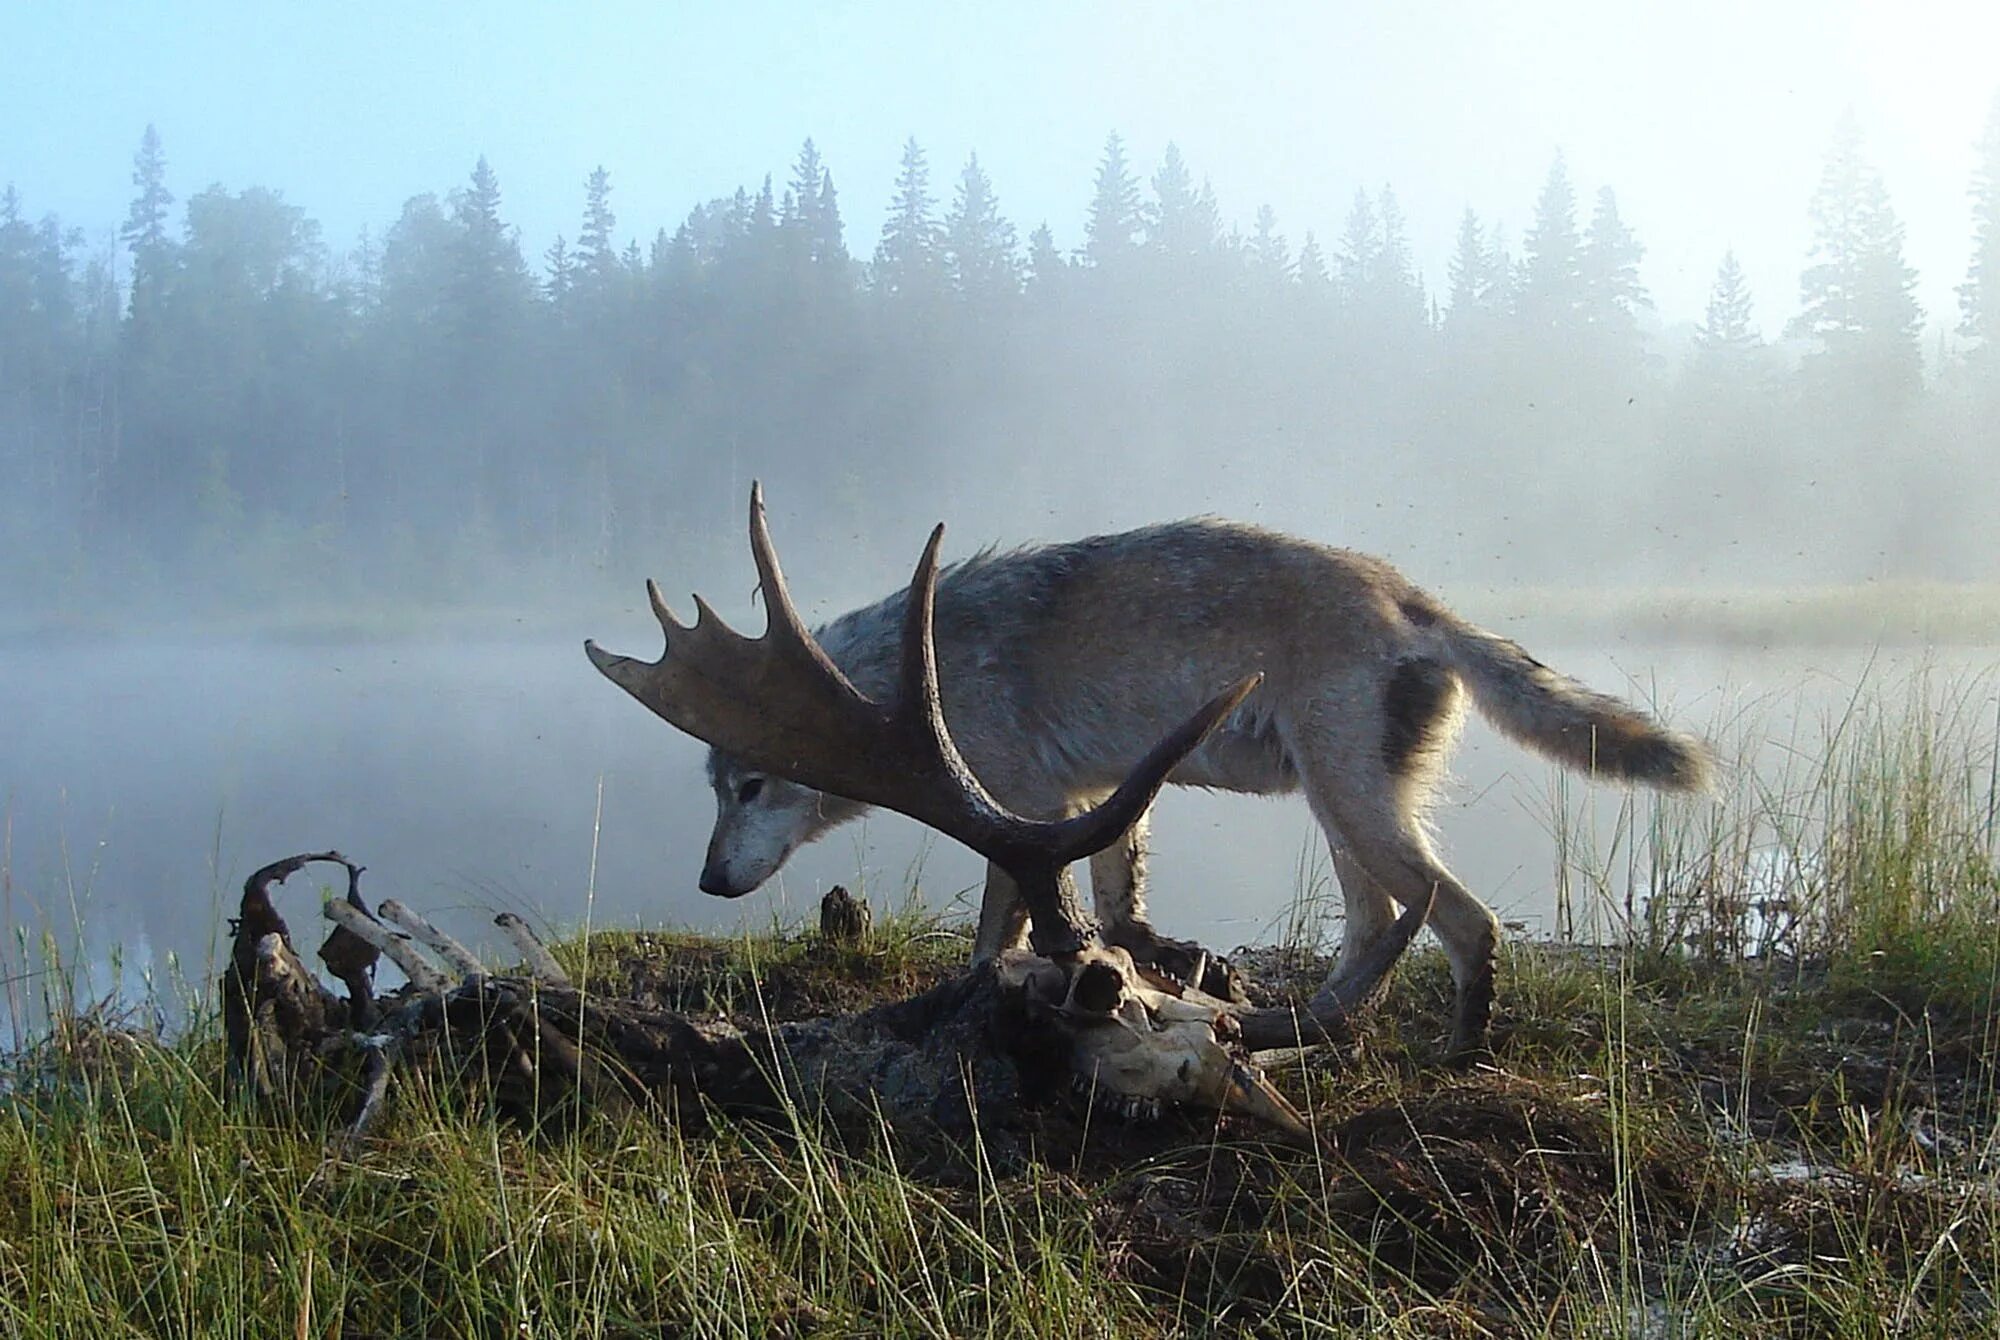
906,259
145,230
1111,230
1858,295
981,254
1552,286
1979,295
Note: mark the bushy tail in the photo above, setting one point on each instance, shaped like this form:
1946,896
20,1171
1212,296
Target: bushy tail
1554,715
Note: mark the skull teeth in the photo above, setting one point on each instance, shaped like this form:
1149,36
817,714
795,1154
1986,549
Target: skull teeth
1127,1107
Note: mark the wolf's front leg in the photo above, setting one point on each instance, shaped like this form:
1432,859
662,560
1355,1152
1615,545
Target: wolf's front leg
1003,917
1118,888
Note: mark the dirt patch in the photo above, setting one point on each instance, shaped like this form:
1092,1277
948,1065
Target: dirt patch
1478,1187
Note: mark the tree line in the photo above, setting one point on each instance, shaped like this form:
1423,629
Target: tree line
223,406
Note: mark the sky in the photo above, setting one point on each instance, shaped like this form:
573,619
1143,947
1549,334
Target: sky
1709,119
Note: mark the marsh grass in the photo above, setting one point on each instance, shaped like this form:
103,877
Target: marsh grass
1752,1093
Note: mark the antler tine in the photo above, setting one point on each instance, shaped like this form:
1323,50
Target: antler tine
784,618
1101,825
669,623
971,814
1331,1013
918,683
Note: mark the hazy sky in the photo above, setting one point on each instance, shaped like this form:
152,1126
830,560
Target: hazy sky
1708,118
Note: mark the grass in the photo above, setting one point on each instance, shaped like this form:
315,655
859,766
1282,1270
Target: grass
1760,1100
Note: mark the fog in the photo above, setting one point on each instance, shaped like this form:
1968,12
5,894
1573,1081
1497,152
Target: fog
329,429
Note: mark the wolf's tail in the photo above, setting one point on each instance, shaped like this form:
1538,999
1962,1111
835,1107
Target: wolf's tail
1554,715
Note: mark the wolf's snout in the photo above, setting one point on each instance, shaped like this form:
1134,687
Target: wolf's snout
715,881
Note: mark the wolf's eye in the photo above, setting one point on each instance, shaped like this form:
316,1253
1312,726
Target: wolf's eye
750,790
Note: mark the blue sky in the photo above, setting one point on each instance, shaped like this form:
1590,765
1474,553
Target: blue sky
1709,119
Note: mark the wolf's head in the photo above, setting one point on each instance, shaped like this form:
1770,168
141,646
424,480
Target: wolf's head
760,820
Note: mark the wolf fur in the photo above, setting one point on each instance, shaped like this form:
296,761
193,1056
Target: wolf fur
1060,666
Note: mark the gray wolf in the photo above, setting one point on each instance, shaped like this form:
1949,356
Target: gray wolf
1061,665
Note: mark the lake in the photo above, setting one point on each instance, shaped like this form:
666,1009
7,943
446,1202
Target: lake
142,779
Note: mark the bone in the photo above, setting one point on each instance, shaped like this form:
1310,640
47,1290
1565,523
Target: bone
451,951
537,956
398,947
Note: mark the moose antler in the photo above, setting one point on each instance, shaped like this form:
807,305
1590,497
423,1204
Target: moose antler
780,704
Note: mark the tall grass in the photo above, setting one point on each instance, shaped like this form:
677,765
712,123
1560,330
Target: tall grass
1864,850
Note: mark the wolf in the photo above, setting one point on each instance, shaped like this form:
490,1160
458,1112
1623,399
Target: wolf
1060,665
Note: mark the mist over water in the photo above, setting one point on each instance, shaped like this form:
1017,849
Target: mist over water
150,776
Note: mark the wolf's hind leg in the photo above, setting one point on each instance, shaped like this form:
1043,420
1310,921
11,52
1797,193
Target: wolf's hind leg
1369,781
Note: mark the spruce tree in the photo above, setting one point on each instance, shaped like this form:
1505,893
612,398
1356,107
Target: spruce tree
812,215
1858,295
1469,272
1725,335
1046,265
906,259
1181,223
981,255
1394,294
490,283
802,194
1360,248
561,269
829,250
1609,262
1268,255
1314,281
596,247
145,230
1112,228
1551,288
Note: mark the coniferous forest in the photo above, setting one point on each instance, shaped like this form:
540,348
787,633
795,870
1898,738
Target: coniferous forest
224,405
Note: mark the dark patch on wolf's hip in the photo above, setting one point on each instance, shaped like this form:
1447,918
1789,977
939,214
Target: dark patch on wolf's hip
1419,693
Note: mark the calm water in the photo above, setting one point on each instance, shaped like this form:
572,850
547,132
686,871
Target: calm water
143,779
